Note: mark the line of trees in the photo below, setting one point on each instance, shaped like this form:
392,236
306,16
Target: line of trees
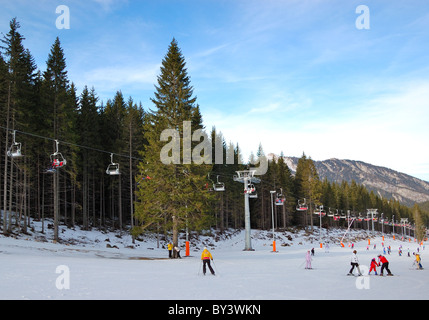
47,113
45,107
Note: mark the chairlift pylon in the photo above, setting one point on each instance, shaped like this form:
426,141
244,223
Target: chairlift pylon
113,168
15,149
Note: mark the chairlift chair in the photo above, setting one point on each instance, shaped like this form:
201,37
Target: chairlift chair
280,201
218,186
251,191
15,149
280,198
302,206
250,188
320,211
113,168
57,159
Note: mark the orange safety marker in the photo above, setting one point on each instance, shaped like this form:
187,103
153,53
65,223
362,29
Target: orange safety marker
274,246
187,248
321,245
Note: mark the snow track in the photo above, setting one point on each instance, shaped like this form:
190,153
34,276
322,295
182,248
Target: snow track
28,270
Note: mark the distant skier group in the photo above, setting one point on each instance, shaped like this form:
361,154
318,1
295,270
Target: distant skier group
382,261
206,257
373,266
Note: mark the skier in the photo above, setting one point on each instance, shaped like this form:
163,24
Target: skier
373,266
418,260
384,265
170,250
308,260
177,249
206,256
355,263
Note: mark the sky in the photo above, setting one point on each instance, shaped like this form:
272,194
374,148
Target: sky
296,76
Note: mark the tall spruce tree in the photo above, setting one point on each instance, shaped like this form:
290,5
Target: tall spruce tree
18,81
307,184
174,195
60,99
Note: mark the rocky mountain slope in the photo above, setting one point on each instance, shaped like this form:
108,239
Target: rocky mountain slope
386,182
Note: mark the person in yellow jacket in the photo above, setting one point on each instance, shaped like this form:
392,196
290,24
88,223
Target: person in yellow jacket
418,261
170,250
206,256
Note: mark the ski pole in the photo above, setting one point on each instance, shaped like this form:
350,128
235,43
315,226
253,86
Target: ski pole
199,270
214,265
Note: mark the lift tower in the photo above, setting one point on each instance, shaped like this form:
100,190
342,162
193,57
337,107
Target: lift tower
247,178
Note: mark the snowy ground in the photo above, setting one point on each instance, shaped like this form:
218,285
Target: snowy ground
31,269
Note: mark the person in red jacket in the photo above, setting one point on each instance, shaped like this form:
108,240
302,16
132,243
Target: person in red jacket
373,266
384,265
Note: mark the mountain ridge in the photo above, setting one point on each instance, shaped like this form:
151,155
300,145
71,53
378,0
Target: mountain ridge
388,183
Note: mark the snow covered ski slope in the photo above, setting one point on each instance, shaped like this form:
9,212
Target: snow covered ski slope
87,269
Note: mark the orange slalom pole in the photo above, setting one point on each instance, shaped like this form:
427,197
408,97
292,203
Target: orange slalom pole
187,248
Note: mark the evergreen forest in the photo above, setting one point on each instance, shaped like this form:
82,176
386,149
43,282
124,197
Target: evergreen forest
71,159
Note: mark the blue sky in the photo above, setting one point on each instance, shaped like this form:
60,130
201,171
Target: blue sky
294,75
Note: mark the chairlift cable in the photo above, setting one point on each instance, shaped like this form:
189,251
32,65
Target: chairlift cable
71,144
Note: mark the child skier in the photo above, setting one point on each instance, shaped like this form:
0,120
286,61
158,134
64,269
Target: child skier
355,263
373,266
308,260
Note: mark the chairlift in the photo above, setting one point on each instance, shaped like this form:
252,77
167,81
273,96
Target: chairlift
250,189
113,168
15,149
320,211
302,206
280,198
57,159
218,186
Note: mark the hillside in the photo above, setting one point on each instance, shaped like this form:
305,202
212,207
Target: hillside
386,182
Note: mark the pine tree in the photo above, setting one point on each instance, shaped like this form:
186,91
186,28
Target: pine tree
174,194
420,229
18,80
60,99
307,184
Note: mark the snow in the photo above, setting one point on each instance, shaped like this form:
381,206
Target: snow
28,268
